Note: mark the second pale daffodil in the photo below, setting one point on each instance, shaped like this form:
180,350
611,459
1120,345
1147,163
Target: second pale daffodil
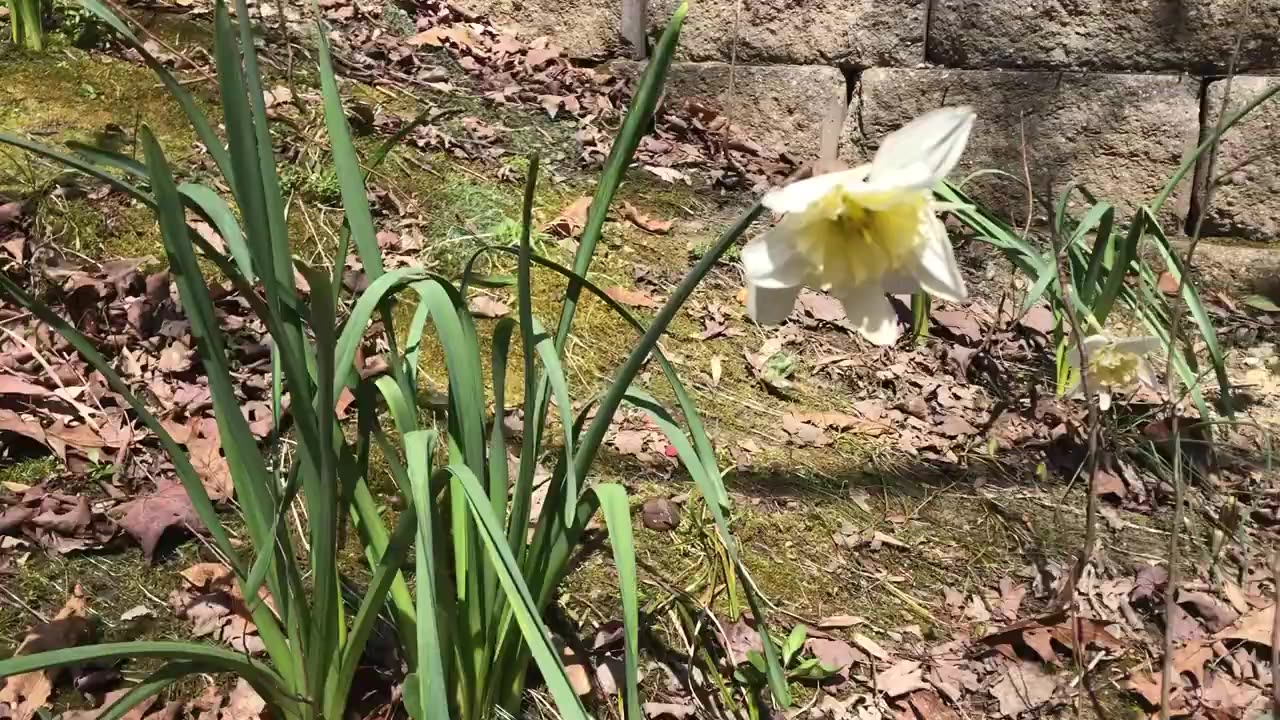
1115,364
865,232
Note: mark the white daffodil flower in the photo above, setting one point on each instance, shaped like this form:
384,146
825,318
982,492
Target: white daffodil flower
865,232
1115,364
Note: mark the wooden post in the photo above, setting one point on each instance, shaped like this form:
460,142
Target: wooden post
635,22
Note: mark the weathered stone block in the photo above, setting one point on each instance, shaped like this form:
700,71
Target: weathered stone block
778,106
858,33
1121,136
1246,203
589,29
1149,35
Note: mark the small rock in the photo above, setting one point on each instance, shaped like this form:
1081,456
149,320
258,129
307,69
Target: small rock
661,514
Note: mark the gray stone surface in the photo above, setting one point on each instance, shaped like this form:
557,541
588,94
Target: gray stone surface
1147,35
854,33
587,29
1122,136
1246,203
778,106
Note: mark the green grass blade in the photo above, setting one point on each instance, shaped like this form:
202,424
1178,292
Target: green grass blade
617,516
223,218
152,685
432,685
519,599
265,680
199,122
385,572
80,164
355,202
639,117
110,159
1206,145
594,434
353,330
1103,252
1191,297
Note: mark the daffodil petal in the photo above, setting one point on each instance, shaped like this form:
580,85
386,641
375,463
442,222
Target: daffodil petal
870,312
1104,400
772,259
936,269
798,196
1094,343
770,305
1144,345
925,150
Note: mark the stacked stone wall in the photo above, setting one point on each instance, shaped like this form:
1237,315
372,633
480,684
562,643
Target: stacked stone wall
1111,94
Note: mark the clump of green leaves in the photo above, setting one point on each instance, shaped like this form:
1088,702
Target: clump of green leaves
486,567
26,22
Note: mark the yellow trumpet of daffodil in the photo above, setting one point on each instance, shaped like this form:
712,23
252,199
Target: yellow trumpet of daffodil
865,232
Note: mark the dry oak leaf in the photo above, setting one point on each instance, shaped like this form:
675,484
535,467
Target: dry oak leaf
904,677
244,703
26,693
110,699
1023,686
204,447
1255,627
644,222
632,298
147,519
571,220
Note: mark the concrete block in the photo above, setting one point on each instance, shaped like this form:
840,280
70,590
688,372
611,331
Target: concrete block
1246,203
780,107
1122,136
1194,36
852,33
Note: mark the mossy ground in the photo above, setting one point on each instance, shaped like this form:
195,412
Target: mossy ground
788,507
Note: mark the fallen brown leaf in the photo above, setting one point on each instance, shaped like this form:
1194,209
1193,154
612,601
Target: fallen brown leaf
1023,686
571,220
487,306
27,693
904,677
644,222
632,298
148,519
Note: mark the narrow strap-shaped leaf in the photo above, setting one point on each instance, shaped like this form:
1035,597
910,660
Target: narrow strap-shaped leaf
1102,253
108,158
79,164
224,220
708,485
617,517
265,680
152,685
355,202
1191,297
384,575
432,654
527,616
199,122
352,335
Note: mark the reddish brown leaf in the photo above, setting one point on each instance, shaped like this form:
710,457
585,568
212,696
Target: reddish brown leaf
487,306
148,518
644,222
571,220
632,298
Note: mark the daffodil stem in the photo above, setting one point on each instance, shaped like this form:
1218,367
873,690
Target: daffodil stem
1092,458
920,304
